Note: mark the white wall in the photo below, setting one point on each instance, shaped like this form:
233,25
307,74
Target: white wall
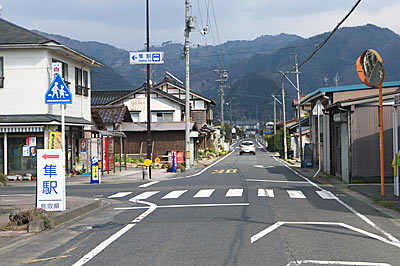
159,104
27,75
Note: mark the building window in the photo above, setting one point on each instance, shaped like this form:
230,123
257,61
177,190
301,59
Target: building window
85,84
135,116
1,72
162,117
78,81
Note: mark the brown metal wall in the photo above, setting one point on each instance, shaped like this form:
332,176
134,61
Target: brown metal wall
365,161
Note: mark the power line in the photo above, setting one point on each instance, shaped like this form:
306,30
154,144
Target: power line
216,27
319,46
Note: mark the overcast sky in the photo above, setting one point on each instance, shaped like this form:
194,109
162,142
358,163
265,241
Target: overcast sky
122,22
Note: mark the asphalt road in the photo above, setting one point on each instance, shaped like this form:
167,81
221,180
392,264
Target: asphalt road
244,210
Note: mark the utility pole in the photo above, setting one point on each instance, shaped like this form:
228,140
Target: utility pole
148,89
284,121
188,28
274,115
223,76
299,113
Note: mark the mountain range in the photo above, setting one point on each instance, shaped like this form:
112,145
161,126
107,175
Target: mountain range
253,66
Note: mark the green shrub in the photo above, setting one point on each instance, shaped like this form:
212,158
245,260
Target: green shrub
3,179
141,160
181,167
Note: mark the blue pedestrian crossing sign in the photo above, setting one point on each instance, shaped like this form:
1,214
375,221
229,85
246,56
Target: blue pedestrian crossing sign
58,92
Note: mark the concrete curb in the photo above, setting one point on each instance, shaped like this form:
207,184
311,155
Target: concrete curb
72,214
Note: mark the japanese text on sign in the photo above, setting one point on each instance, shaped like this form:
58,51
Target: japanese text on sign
50,186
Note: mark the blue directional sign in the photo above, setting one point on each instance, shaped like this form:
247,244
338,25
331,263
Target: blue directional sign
58,92
146,58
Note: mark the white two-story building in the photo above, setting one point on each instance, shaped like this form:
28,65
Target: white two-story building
25,120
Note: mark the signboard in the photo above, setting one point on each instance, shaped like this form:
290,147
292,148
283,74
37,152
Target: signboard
58,92
32,141
146,58
83,145
147,162
397,100
56,68
26,151
50,185
94,177
54,140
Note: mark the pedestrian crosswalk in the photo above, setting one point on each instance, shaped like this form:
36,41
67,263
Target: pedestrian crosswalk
229,193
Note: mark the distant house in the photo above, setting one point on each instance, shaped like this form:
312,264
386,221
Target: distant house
25,75
348,131
167,116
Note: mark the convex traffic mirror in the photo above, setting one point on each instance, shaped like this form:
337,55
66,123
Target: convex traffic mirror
370,68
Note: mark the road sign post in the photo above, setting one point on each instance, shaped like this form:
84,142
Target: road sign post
372,73
58,93
50,184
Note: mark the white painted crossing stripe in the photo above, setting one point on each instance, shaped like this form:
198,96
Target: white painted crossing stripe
149,184
204,193
266,193
296,194
326,194
186,206
119,195
174,194
234,192
144,195
330,262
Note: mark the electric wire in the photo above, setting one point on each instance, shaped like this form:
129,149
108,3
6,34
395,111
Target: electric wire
319,46
205,38
216,27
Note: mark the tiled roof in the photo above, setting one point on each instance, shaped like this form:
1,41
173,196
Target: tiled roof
99,98
13,34
113,114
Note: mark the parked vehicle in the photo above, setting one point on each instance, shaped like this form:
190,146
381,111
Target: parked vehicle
247,146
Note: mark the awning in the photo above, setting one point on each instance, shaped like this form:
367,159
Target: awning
20,129
118,134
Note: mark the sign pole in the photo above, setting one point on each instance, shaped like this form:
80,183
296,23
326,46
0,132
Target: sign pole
381,141
63,106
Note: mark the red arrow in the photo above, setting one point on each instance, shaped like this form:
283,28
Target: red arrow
49,156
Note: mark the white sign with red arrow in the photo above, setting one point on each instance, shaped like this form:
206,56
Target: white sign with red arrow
50,184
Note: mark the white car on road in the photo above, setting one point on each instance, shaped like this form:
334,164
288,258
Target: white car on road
248,147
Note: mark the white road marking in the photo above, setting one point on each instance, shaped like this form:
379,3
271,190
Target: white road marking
296,194
265,167
174,194
276,181
361,231
149,184
326,194
234,193
186,206
204,193
151,207
266,193
144,195
119,195
331,262
205,169
361,216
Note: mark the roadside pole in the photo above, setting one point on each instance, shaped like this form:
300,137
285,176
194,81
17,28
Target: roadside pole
187,85
284,121
148,89
372,73
396,144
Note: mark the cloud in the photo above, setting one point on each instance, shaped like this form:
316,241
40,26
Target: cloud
122,22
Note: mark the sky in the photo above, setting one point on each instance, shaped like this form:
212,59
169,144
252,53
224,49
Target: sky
122,23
